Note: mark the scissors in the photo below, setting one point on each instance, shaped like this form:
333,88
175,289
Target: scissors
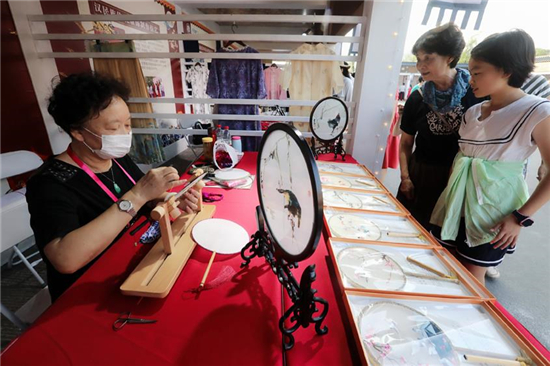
124,318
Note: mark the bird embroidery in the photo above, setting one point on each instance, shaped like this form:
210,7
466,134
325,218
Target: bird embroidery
334,123
291,204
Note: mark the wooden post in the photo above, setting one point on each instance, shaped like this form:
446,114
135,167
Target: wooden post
161,215
169,210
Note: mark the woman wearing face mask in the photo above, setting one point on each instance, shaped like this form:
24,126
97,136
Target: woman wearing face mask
486,203
81,200
431,118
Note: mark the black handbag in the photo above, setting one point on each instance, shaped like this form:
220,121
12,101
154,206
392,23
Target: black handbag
197,139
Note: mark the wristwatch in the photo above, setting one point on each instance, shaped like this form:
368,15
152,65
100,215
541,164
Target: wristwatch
126,206
523,220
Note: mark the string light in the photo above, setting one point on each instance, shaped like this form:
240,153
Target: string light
385,124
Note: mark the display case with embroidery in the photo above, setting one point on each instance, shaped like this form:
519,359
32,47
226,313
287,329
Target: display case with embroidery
349,199
417,331
376,227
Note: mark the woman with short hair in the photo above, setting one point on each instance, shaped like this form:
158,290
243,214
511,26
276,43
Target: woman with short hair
81,200
431,118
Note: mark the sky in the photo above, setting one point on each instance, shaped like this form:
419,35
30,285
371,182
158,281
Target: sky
533,16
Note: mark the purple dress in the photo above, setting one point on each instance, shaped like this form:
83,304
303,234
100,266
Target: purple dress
238,79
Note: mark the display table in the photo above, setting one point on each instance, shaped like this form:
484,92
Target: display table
235,323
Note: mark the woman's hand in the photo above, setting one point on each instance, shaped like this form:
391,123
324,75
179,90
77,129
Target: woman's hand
400,109
542,171
508,232
407,187
156,182
189,202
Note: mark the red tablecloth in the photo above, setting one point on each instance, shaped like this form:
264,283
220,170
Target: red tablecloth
233,324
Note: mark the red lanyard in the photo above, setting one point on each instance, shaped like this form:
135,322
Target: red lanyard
92,175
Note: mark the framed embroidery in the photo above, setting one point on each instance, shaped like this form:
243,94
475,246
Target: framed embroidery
289,189
329,119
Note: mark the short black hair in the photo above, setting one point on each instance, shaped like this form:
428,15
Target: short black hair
513,52
78,98
446,40
345,71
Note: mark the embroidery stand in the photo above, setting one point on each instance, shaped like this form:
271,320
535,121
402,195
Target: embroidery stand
158,271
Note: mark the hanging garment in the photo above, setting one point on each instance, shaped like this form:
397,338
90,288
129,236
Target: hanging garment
273,86
238,79
347,92
197,76
311,80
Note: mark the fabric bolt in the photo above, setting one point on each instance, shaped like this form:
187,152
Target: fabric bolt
238,79
272,76
197,76
311,80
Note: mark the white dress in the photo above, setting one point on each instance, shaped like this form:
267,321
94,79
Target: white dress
347,92
197,76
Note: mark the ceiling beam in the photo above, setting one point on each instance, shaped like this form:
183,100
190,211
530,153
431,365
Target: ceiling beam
254,4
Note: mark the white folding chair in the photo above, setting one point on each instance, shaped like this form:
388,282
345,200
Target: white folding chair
14,212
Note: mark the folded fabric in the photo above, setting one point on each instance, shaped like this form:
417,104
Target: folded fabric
484,192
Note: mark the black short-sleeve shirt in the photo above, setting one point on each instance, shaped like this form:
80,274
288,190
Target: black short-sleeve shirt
63,198
436,141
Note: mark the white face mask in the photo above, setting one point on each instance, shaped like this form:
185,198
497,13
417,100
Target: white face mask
112,146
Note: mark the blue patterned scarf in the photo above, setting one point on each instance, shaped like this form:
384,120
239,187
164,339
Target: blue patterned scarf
444,101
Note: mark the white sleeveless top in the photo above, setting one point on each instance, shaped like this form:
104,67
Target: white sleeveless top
505,135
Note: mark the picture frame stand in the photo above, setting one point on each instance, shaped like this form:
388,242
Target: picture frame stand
335,147
306,305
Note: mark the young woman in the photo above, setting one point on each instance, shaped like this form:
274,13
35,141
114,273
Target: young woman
430,121
486,203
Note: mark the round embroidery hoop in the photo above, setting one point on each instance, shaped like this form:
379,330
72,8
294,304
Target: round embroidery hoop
355,227
371,269
341,199
289,189
394,333
329,119
333,181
